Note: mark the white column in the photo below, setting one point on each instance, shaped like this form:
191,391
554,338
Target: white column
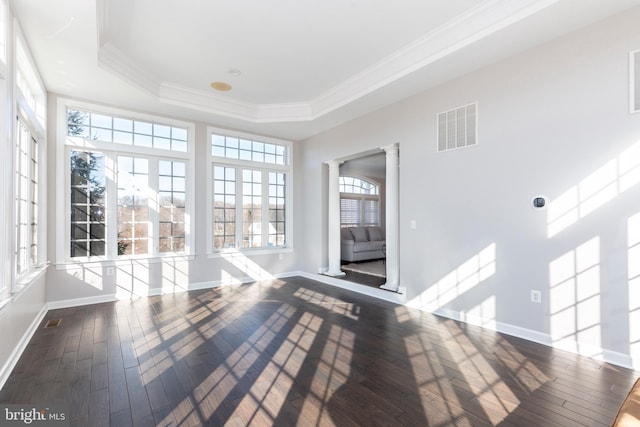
392,219
334,220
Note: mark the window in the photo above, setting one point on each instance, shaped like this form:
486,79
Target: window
26,201
6,156
359,202
88,208
251,180
172,196
129,179
126,131
246,149
3,32
27,148
32,94
350,184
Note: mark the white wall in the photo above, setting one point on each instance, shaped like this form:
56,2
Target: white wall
549,119
19,320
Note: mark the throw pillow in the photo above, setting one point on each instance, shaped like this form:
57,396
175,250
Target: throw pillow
359,234
374,234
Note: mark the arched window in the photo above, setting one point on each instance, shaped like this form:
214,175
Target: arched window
354,185
359,202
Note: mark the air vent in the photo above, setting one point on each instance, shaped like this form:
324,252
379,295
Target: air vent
634,81
457,128
52,323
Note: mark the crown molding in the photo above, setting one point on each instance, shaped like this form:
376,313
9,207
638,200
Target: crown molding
113,60
475,24
229,107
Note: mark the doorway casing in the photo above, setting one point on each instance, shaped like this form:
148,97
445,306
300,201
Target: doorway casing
391,217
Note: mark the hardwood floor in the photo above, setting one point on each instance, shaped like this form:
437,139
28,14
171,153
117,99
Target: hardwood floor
364,279
298,352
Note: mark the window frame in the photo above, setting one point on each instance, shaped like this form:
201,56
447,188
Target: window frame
6,154
30,110
239,165
112,150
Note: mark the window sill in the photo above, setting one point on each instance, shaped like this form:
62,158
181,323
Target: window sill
26,280
4,303
23,283
156,259
250,252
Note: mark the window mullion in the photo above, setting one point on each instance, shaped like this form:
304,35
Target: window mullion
265,208
152,196
239,209
111,202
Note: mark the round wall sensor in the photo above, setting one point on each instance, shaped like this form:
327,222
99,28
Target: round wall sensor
539,202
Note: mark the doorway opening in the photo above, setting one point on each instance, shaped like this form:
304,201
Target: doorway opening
390,211
362,219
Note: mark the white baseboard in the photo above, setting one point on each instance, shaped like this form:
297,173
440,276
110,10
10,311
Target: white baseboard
22,344
77,302
571,346
398,298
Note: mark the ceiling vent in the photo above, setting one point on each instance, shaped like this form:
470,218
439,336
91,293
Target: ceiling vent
458,128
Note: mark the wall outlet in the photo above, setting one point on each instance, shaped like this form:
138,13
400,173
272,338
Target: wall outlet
536,296
412,224
280,257
109,271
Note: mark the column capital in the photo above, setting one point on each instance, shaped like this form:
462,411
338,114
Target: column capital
391,149
334,163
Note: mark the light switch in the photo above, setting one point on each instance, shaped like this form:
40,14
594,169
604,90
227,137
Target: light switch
412,224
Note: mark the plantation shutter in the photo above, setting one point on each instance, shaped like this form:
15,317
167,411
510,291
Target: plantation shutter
349,212
370,211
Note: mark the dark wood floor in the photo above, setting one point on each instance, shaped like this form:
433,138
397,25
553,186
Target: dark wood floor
364,279
297,352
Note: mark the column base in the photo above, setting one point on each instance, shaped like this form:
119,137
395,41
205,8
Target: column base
338,273
390,287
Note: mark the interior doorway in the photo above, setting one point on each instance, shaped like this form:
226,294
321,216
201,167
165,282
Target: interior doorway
362,219
391,218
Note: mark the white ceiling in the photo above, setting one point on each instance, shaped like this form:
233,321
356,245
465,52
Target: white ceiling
306,65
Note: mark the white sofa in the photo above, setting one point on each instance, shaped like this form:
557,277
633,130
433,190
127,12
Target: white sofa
362,243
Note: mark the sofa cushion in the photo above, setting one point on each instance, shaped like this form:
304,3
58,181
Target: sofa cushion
359,234
374,233
345,233
368,246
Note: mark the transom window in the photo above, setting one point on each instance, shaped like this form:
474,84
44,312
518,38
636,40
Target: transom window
232,147
126,198
28,82
351,184
120,130
250,183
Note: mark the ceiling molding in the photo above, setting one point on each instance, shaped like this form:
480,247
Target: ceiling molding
475,24
111,59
